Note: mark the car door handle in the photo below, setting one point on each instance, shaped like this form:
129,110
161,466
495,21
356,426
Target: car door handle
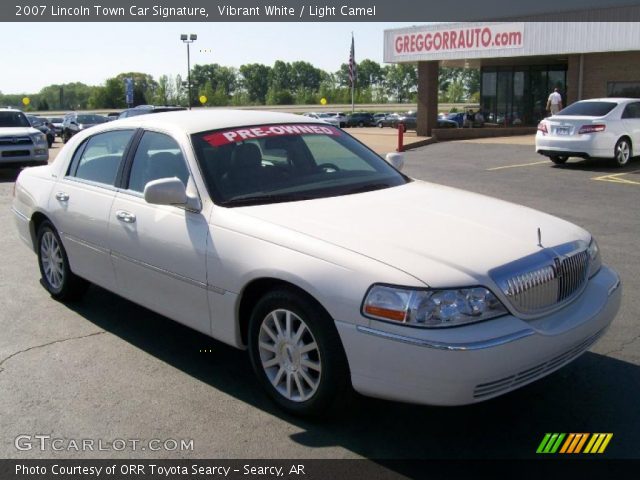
125,217
61,196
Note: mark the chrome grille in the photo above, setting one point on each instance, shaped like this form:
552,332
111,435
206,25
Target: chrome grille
15,141
545,280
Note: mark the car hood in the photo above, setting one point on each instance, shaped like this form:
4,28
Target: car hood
437,234
17,131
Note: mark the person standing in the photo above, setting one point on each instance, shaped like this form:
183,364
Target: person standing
554,102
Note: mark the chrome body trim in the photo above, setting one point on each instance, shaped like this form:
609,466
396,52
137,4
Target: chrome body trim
20,214
466,346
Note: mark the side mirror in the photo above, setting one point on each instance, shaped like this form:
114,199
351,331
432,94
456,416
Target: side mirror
396,159
166,191
171,191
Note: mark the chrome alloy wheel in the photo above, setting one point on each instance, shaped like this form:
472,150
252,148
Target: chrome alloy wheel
289,355
52,261
623,152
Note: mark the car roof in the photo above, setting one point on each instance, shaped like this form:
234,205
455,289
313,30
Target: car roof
611,99
193,121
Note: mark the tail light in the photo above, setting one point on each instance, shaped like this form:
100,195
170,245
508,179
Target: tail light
542,127
591,128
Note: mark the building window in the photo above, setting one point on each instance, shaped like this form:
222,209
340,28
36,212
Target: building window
623,89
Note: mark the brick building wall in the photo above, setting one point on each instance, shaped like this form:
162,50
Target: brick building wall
598,69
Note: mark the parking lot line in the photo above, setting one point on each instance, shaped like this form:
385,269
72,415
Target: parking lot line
616,178
519,165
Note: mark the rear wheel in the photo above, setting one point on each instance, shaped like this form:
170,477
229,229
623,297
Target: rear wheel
297,354
57,277
380,125
559,159
622,152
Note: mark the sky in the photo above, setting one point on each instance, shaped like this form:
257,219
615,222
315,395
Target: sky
41,54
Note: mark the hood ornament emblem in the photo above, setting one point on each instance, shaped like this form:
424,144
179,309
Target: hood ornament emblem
540,238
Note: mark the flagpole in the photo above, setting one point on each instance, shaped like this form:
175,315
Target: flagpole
352,60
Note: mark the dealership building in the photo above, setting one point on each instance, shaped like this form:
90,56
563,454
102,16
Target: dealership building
522,61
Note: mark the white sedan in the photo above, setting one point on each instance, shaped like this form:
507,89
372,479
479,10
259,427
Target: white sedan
325,117
598,128
289,238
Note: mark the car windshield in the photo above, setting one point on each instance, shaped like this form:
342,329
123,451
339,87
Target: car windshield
35,121
280,163
588,109
91,119
13,119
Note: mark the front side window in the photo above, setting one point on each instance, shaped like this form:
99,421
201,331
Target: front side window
632,111
288,162
101,157
158,156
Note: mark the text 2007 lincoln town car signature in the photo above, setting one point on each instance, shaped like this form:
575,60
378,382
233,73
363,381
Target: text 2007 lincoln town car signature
286,236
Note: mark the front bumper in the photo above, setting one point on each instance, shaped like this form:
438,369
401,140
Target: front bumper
464,365
24,155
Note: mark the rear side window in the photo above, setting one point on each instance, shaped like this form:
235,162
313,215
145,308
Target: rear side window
101,157
158,156
588,109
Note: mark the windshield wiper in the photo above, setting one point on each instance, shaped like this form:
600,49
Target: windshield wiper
367,188
263,199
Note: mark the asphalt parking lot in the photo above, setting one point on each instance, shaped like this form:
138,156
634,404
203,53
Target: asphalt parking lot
108,369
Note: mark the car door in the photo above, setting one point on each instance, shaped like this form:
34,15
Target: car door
82,200
159,251
631,121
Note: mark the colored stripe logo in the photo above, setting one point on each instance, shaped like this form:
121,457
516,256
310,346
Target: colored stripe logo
574,443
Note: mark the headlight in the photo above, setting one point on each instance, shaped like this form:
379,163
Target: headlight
595,261
39,138
431,308
80,126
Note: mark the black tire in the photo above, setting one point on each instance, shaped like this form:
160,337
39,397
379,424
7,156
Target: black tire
380,125
70,286
622,152
559,159
333,377
65,137
360,124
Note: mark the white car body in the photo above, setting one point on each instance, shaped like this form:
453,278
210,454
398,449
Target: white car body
197,265
325,117
560,135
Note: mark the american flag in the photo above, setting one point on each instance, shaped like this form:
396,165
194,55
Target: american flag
352,63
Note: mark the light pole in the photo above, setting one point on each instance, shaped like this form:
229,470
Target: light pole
188,39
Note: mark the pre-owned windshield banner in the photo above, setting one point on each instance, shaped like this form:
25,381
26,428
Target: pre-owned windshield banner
301,11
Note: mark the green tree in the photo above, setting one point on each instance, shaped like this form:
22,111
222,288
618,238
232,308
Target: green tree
401,81
255,80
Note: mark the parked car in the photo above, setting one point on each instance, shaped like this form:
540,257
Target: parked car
379,116
286,236
42,125
325,117
360,120
390,120
601,128
409,121
76,122
146,109
446,123
57,125
457,117
111,116
342,118
20,143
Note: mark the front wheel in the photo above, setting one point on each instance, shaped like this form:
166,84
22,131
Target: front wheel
57,277
622,152
559,159
297,354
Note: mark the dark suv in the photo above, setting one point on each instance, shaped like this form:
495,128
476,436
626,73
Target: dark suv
74,122
360,120
145,109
